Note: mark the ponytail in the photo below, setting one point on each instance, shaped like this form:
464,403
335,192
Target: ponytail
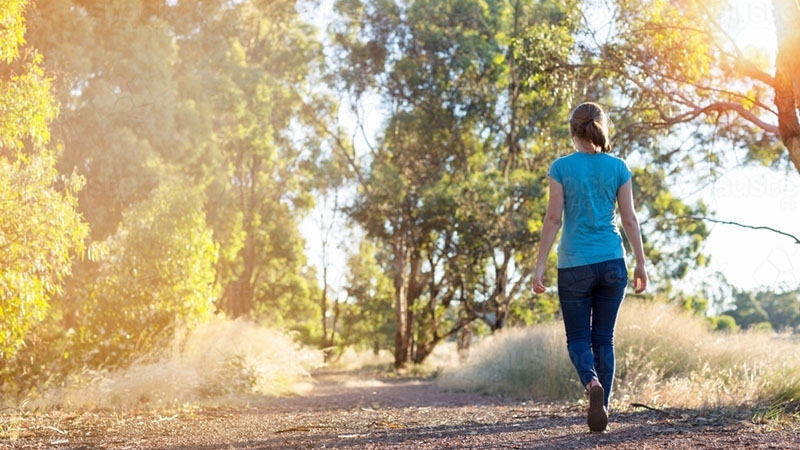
588,121
597,135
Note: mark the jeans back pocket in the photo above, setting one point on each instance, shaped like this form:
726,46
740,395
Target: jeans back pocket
575,281
615,273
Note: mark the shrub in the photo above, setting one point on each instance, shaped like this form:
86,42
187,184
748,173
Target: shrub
217,360
725,323
765,327
158,273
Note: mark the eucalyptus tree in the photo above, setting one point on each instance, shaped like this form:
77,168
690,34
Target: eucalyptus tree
677,64
112,66
211,92
250,69
455,185
41,231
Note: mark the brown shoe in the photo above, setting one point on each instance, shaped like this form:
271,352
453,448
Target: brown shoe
597,417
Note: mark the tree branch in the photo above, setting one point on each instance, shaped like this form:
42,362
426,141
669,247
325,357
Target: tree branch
752,227
722,107
748,69
343,148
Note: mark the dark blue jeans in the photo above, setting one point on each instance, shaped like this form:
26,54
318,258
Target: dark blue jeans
590,298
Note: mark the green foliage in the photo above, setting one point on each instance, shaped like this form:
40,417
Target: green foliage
781,310
746,309
762,327
289,301
684,86
532,309
724,323
696,303
368,321
213,93
40,234
762,309
245,71
12,35
40,230
158,272
672,243
28,105
25,87
112,64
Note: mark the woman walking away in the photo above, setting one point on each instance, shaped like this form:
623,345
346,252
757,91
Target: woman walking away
592,275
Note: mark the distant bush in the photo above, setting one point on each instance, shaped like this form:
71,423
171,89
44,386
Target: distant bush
665,356
765,327
725,323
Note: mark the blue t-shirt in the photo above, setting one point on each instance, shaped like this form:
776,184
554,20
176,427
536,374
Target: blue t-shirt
590,184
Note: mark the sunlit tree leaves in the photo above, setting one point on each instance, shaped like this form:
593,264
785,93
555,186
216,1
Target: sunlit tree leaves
40,231
150,280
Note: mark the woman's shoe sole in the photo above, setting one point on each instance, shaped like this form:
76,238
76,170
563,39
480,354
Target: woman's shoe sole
597,418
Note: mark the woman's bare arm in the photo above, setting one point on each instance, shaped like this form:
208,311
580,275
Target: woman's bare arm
631,225
550,227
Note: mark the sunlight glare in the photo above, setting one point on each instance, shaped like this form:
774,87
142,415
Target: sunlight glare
751,25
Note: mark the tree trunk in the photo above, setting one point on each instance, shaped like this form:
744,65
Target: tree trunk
402,332
787,75
424,350
500,297
332,337
244,285
464,340
412,293
324,307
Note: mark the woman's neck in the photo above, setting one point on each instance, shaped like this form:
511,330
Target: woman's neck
585,146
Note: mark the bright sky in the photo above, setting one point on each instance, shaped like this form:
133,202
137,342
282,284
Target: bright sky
754,258
755,196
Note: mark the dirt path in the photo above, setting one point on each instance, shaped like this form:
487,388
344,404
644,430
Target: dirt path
348,411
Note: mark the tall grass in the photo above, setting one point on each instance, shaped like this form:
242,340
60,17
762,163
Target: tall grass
665,356
218,359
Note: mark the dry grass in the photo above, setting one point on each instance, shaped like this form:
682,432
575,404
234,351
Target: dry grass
353,359
665,357
219,359
444,356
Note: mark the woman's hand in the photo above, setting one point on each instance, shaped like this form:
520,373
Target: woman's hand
639,279
538,274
